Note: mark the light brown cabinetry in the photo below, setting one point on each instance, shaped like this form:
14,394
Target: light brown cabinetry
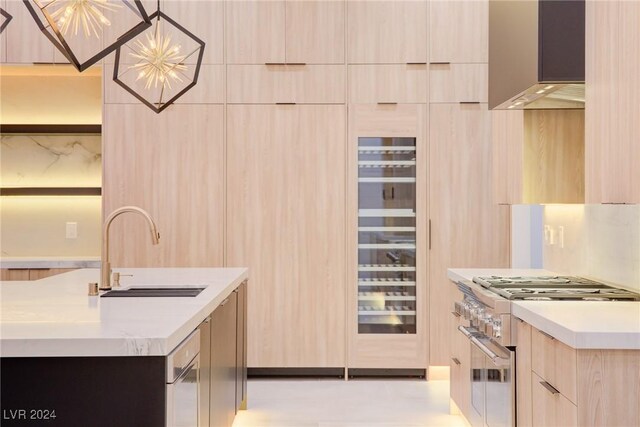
459,31
538,156
388,83
458,83
9,274
559,386
255,32
204,18
552,409
315,31
467,229
387,32
285,220
223,366
270,84
524,407
173,169
460,365
25,43
260,32
555,362
611,107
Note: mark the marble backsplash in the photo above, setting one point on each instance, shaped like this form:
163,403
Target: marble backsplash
599,241
50,160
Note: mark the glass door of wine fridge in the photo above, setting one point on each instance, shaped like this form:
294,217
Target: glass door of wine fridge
387,235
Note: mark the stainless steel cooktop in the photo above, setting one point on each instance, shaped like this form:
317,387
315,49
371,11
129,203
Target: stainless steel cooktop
554,288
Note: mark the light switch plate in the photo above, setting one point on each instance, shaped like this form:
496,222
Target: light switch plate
72,230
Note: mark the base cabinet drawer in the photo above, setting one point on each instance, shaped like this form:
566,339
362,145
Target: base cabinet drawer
555,363
550,407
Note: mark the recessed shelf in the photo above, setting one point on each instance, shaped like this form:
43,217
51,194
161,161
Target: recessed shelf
50,191
386,213
386,246
385,267
51,128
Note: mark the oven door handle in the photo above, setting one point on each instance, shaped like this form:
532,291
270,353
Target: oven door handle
473,337
466,331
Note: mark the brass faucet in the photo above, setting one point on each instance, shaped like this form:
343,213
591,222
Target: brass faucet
105,268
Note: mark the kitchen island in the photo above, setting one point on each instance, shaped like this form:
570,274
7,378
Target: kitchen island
90,360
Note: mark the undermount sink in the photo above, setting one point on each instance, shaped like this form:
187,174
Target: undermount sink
154,292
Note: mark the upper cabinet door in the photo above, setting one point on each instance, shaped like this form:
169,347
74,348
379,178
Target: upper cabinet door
315,32
459,31
387,32
25,42
205,19
255,32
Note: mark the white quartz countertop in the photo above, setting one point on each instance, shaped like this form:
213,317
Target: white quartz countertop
55,316
578,324
585,324
49,262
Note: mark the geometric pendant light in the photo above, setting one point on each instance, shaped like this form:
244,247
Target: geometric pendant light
6,17
85,31
161,64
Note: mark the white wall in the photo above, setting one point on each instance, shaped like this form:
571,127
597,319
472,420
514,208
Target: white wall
526,236
600,241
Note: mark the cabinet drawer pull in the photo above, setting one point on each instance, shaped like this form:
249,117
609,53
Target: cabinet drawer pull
285,103
456,361
274,63
440,63
547,335
224,302
387,103
455,313
469,102
416,63
296,63
549,387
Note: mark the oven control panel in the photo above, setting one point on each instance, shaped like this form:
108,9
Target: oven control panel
481,318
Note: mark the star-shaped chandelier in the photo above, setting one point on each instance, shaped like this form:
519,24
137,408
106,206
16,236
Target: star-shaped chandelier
161,64
85,31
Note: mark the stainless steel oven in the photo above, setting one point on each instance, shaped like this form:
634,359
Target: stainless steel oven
183,383
492,380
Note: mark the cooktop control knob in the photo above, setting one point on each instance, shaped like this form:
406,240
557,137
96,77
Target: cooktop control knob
497,328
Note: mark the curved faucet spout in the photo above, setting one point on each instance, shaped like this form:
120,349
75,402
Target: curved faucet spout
105,272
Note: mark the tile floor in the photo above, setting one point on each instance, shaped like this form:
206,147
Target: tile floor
354,403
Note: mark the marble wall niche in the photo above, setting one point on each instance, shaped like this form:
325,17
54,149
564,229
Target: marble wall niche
50,160
34,226
600,241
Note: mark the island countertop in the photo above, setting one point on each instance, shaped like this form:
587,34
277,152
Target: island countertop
55,317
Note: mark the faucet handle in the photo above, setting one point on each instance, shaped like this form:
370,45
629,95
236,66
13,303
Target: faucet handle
116,279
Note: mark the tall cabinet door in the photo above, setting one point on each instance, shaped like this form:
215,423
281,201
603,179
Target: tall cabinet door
175,171
393,32
459,31
467,229
255,31
612,128
315,31
387,236
286,222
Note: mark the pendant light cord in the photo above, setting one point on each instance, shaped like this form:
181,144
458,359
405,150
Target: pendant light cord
158,10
